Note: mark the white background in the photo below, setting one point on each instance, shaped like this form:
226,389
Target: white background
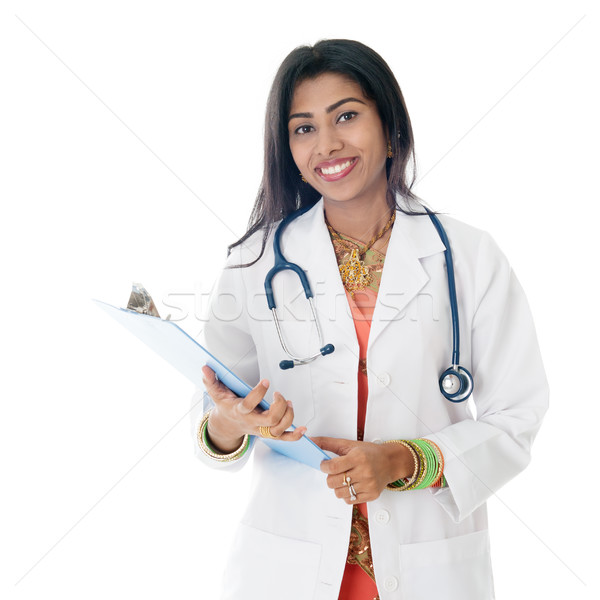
131,151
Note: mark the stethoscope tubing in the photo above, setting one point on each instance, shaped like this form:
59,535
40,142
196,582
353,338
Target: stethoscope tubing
456,383
281,264
451,288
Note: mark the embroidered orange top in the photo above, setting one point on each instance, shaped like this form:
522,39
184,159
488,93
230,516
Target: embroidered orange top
358,582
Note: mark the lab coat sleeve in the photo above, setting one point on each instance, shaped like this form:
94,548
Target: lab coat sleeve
510,391
226,334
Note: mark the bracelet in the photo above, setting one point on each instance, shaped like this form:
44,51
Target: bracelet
442,483
422,470
440,458
429,466
400,484
205,446
432,464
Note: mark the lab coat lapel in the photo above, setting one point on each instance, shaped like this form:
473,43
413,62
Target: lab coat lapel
308,243
403,277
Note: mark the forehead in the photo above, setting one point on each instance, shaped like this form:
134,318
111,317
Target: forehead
312,95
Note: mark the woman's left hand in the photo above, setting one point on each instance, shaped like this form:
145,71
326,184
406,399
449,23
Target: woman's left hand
369,466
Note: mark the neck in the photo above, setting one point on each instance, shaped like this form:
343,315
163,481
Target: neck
358,222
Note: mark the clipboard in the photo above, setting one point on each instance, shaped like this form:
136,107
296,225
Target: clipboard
184,353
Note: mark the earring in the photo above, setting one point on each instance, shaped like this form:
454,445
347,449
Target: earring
302,176
390,154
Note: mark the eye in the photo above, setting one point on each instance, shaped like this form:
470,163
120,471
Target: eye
303,129
346,116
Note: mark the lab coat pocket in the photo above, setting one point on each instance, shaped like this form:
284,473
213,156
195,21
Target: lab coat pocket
457,568
265,566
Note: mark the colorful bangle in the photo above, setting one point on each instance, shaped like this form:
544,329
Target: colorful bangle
207,448
400,484
422,466
425,462
440,458
431,461
429,466
442,483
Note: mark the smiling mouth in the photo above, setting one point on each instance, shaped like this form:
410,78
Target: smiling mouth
337,171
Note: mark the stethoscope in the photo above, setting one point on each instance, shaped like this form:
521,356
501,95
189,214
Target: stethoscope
456,383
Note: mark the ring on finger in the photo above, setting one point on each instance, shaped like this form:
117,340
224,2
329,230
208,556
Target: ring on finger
347,479
352,492
266,433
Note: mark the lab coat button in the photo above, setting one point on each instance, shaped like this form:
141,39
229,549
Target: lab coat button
390,584
382,517
383,379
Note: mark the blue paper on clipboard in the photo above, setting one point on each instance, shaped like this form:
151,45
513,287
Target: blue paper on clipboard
185,354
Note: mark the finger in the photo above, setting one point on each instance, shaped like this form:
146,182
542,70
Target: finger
286,421
215,388
342,493
337,445
337,466
252,400
207,373
292,436
317,440
339,480
276,413
345,493
277,428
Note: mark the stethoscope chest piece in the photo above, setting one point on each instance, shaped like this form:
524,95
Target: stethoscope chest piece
456,384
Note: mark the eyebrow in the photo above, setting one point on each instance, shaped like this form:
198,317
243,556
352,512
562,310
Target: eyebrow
329,109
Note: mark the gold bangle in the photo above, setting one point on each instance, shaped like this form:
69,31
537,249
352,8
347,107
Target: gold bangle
205,446
422,467
402,484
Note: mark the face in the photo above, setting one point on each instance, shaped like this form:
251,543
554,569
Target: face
337,140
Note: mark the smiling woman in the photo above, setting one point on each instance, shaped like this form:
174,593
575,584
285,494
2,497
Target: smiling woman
283,188
342,142
338,146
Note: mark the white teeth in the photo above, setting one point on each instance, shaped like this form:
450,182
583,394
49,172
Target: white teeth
337,169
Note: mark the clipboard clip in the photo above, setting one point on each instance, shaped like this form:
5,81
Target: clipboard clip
141,302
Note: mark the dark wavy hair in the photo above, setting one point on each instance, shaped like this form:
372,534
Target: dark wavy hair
282,190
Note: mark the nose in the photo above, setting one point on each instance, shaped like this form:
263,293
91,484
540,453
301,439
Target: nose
328,141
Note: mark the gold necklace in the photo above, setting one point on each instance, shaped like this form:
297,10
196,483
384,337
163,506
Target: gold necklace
355,275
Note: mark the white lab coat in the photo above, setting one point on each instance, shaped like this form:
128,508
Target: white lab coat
293,540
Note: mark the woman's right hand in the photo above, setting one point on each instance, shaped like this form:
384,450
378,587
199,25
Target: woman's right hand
234,417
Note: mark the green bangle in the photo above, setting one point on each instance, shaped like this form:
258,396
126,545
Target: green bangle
440,460
432,464
435,463
209,450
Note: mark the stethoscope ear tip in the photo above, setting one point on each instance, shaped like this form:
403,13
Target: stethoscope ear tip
327,349
286,364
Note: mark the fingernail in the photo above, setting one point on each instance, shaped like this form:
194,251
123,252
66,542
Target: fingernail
265,383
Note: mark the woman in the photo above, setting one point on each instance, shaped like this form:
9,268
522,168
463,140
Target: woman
400,512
